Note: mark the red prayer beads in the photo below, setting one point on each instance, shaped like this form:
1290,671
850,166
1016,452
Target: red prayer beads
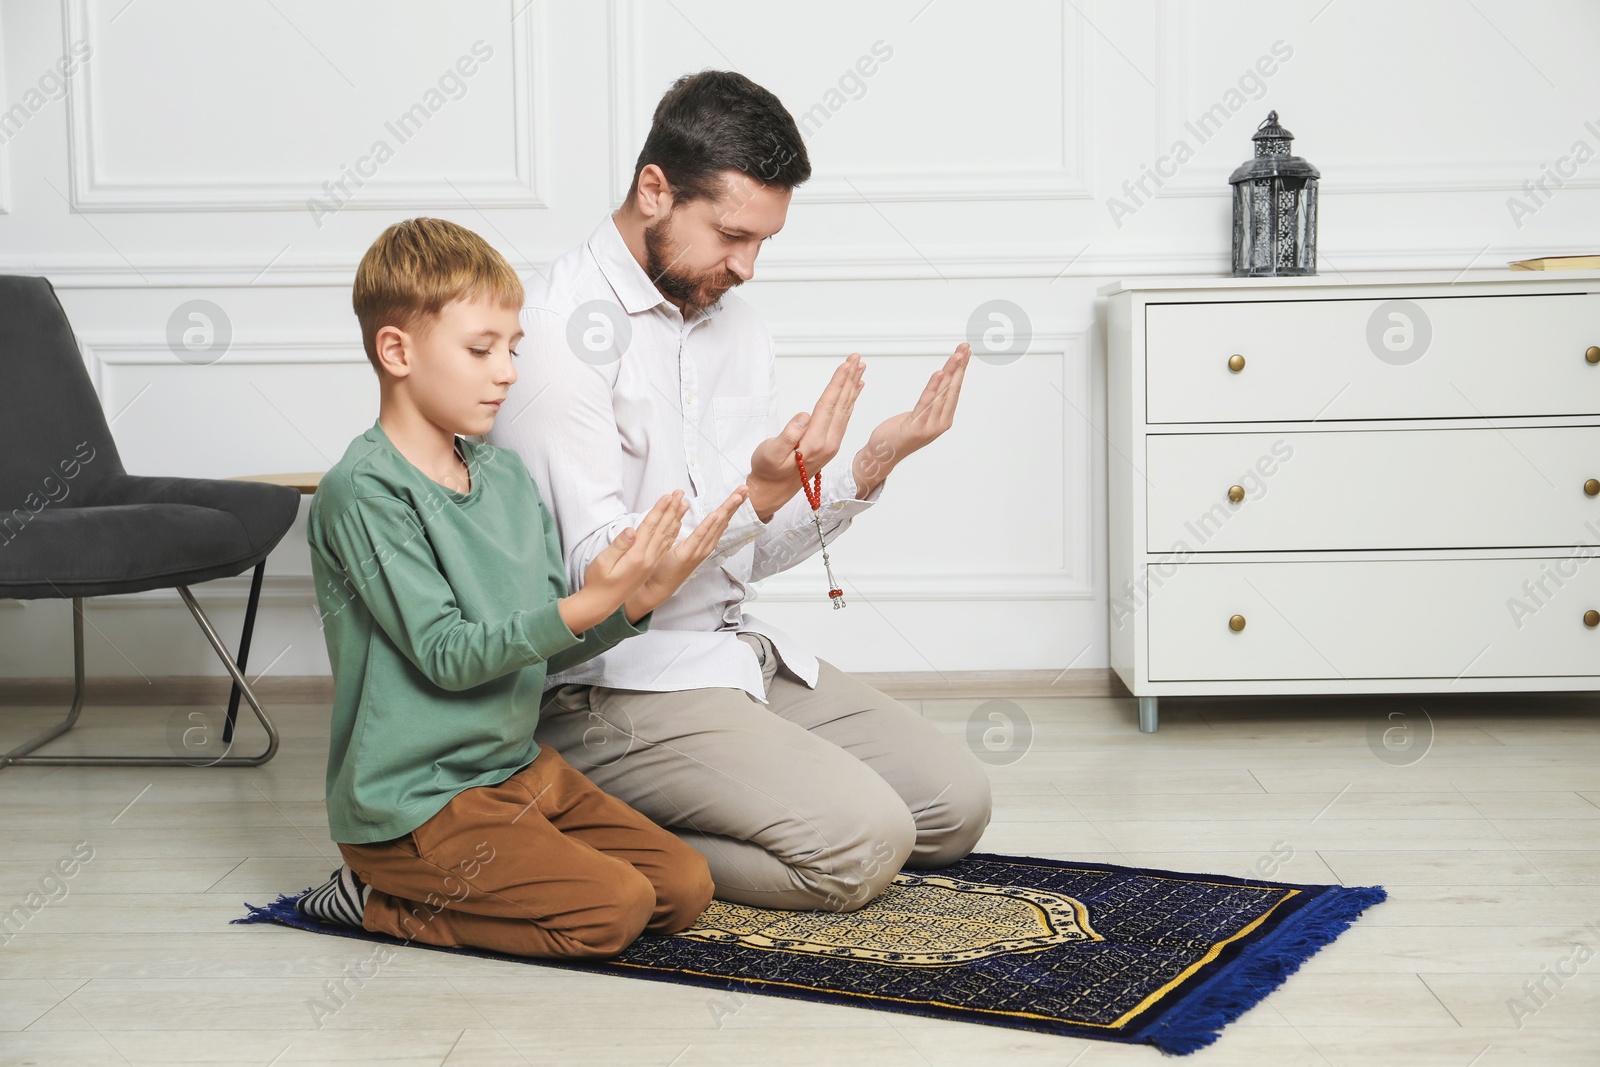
813,493
813,496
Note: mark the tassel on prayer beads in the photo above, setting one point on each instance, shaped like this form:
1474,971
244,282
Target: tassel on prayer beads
814,498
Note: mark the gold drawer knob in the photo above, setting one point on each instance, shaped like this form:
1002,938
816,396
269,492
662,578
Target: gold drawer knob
1236,361
1236,623
1591,487
1236,493
1591,618
1592,353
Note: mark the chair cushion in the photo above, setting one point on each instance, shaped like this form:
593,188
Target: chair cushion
95,551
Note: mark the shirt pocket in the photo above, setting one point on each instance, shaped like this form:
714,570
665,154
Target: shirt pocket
740,423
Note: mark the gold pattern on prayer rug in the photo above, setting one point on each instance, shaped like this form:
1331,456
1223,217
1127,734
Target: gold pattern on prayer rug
919,921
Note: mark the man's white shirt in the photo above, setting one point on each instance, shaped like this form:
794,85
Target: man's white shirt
620,400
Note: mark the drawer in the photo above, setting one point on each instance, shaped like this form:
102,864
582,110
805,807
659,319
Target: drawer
1372,489
1443,619
1452,357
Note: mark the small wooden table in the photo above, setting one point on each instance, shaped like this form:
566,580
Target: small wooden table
305,481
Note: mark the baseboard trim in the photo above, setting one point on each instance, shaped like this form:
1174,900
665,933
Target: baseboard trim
178,690
318,689
1016,685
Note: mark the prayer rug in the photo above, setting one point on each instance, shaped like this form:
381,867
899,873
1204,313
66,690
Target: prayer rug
1089,950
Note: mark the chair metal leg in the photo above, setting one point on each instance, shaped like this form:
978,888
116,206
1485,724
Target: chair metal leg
16,754
22,754
244,647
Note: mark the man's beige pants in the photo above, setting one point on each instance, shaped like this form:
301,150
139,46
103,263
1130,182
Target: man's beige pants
814,800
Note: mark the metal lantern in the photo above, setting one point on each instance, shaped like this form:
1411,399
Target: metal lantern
1274,208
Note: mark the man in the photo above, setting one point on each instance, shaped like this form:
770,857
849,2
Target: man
803,787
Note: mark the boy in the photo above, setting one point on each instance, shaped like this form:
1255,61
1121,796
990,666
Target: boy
444,605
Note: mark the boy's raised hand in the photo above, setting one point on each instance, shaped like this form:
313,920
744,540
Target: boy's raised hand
624,565
684,557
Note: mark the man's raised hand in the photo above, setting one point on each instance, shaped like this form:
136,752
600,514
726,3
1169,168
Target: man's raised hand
774,475
896,437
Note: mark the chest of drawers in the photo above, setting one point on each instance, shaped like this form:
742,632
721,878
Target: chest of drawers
1372,483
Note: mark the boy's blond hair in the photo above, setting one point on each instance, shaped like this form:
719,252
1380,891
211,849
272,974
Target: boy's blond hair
418,266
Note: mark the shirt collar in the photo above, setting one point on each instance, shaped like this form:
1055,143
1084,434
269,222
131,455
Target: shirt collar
635,291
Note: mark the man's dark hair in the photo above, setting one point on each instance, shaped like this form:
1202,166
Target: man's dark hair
720,120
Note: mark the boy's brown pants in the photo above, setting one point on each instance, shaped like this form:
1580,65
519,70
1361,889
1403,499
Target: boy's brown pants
543,864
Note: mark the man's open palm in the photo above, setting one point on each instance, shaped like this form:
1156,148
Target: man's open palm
817,434
898,436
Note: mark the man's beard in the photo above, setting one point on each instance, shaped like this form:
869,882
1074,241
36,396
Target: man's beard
695,292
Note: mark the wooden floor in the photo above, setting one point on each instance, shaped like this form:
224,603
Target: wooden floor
1481,816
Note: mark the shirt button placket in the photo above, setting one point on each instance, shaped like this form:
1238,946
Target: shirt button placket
686,375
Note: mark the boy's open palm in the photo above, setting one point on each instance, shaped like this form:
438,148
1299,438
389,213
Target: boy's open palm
633,555
682,559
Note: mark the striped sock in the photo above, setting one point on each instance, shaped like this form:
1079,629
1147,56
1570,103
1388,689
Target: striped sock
341,899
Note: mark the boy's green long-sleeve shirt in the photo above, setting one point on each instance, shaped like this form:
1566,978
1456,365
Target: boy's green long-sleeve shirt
439,609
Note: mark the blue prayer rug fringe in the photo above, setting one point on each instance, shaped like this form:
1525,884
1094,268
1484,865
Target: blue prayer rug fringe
1198,1019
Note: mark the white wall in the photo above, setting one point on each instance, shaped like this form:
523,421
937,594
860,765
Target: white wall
984,159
